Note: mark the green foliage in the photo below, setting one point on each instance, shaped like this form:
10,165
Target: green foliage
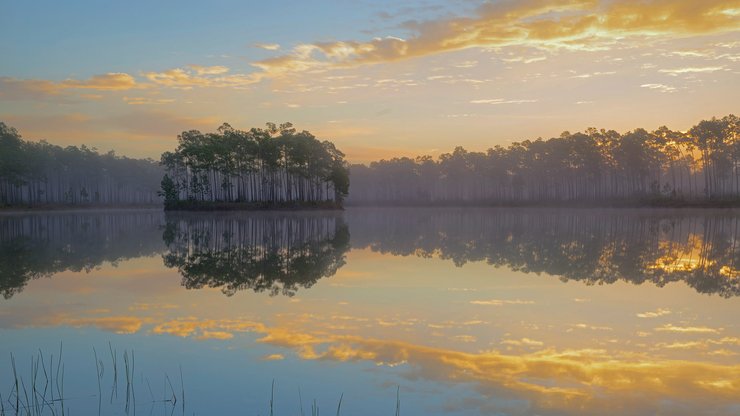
275,165
33,173
169,191
596,165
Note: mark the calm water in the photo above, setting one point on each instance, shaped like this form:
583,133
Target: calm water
460,311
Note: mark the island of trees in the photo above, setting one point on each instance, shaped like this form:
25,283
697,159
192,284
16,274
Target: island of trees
272,167
662,167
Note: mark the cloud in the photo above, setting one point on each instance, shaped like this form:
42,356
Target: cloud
209,70
147,101
201,76
550,25
690,70
594,74
688,329
267,46
496,101
500,302
117,324
659,87
569,381
523,342
112,81
36,89
655,314
273,357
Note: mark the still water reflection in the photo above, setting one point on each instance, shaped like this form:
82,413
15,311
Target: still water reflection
469,311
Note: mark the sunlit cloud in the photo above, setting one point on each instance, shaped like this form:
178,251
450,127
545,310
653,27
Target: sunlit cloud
562,24
691,70
209,70
594,74
688,329
267,46
522,342
573,381
591,327
659,87
116,324
19,89
654,314
274,357
147,101
496,101
502,302
199,76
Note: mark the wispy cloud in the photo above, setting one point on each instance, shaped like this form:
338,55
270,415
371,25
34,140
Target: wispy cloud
691,70
659,87
495,101
654,314
199,76
502,302
688,329
267,46
14,88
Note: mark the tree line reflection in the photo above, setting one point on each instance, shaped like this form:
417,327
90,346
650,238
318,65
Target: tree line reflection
281,253
41,245
274,253
700,248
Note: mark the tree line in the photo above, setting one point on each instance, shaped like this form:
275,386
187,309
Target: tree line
595,165
272,166
39,173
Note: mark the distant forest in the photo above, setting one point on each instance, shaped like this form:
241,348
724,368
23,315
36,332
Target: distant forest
39,173
596,165
272,166
280,167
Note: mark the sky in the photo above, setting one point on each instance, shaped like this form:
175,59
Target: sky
378,78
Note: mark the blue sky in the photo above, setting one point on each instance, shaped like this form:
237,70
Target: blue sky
381,79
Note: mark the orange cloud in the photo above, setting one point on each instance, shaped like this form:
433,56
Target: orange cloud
569,24
200,76
22,89
112,81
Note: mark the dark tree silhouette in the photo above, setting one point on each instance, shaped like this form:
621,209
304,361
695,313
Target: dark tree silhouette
39,173
34,246
271,166
591,246
596,165
277,254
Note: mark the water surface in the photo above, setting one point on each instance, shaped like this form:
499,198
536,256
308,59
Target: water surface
458,311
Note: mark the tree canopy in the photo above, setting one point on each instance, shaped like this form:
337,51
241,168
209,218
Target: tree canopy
595,165
273,165
33,173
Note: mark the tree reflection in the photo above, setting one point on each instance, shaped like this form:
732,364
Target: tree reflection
700,248
39,245
264,252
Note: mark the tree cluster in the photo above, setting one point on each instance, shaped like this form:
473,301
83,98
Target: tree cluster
33,173
272,166
262,253
596,165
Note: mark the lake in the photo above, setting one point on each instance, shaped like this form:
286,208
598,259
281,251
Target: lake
406,311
